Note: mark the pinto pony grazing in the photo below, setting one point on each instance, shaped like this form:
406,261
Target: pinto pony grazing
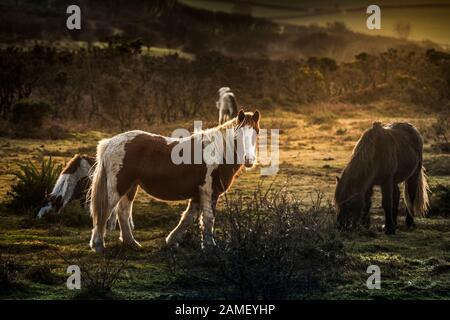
138,158
384,156
226,104
72,184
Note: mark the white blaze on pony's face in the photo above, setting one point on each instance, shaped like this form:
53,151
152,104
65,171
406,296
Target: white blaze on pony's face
249,136
248,129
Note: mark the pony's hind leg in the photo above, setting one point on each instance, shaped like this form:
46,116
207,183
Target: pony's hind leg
124,208
187,218
395,203
99,231
410,196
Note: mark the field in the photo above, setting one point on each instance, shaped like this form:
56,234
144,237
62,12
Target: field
315,144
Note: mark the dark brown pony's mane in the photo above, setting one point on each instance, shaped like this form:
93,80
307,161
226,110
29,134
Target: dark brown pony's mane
362,162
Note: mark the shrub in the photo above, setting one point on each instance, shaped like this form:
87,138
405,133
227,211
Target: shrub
321,117
100,273
9,271
29,114
267,247
41,273
441,130
440,200
33,183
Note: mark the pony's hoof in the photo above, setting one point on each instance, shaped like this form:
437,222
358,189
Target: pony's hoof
172,242
411,226
208,245
98,249
389,231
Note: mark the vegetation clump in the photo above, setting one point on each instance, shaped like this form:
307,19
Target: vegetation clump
33,183
269,246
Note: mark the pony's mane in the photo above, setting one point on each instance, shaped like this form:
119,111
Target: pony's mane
210,134
361,162
72,164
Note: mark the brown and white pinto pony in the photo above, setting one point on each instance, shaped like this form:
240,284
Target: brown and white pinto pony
72,184
138,158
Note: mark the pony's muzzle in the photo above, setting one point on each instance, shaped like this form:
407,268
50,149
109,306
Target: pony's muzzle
44,210
249,161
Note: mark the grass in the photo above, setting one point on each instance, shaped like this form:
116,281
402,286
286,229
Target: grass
414,264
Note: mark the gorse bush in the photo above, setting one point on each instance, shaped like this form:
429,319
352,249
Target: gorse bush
29,114
9,274
441,129
269,246
440,200
100,273
33,183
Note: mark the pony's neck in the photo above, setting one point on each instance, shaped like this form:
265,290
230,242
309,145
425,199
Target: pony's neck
355,179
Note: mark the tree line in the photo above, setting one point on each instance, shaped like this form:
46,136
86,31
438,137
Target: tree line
120,85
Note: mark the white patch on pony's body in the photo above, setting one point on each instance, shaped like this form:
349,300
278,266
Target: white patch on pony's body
207,216
206,188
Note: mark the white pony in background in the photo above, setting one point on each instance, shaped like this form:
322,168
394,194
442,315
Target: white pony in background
226,104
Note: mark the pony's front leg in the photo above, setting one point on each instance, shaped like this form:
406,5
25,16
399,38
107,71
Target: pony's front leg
207,221
221,116
387,191
366,210
187,218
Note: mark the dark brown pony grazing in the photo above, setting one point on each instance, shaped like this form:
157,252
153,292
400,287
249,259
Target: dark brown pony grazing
138,158
384,156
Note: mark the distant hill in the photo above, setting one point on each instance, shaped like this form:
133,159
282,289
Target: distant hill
170,24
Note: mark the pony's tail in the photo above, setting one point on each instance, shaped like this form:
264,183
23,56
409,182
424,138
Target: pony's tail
421,203
99,190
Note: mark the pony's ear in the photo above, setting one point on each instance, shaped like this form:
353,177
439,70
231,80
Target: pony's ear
241,115
256,116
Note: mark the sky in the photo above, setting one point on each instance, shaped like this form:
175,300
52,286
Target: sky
427,20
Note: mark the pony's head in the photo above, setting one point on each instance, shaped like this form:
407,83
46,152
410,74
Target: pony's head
50,203
223,90
248,127
352,185
349,206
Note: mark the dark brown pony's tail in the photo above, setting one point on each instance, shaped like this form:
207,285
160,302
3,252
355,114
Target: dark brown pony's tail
421,202
99,189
